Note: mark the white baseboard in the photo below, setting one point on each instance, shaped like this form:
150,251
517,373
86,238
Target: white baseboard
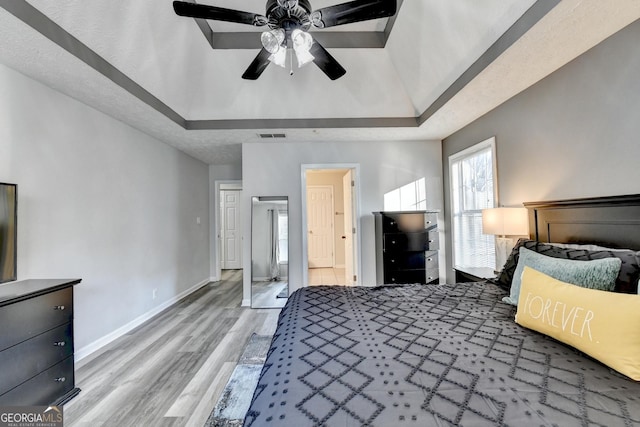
213,279
246,303
93,347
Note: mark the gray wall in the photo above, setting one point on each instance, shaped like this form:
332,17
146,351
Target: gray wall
104,202
274,169
573,134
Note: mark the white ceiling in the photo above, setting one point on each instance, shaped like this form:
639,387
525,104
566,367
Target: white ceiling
445,64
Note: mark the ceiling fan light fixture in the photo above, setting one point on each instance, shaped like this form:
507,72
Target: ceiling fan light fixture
280,57
272,40
303,57
302,42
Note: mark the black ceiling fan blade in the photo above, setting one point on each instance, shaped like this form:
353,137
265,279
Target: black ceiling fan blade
203,11
258,65
326,62
354,11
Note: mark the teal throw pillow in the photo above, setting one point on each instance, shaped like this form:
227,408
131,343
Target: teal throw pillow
598,274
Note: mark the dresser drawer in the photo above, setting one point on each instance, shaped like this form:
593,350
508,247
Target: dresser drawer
43,389
26,319
411,276
419,241
432,275
27,359
430,221
404,276
403,222
411,260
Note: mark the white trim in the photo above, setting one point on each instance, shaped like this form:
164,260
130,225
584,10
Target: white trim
246,303
355,167
93,347
339,266
483,145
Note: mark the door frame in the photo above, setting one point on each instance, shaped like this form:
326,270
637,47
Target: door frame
355,168
217,234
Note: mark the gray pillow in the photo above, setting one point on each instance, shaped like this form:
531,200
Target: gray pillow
596,274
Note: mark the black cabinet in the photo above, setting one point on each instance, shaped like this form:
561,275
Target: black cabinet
406,247
36,342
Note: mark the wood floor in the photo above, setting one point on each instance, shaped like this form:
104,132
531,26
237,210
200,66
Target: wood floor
327,276
265,294
171,370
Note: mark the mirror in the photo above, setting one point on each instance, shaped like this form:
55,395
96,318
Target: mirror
269,251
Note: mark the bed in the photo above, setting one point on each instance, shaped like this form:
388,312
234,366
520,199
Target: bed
445,355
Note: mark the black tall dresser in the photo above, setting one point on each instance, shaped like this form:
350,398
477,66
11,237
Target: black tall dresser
406,247
36,342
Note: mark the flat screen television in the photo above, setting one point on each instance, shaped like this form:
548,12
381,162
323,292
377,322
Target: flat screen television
8,231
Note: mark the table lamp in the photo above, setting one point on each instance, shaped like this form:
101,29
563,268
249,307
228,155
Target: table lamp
505,223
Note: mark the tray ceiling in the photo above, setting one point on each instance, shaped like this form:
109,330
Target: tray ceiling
443,64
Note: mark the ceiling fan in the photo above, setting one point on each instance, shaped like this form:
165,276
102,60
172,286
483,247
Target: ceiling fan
288,22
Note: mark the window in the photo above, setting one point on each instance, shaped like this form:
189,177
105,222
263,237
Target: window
283,236
472,174
410,197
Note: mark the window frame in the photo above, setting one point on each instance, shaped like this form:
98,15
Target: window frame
489,143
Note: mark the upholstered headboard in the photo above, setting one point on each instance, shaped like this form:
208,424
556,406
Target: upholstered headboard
612,221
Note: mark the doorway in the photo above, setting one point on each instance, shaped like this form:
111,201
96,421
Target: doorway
231,230
330,210
220,242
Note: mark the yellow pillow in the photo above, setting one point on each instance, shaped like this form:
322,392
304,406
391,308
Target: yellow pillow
604,325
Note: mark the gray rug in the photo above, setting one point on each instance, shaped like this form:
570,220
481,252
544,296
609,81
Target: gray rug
236,396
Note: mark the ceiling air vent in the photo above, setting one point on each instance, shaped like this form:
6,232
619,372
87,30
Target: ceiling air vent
272,135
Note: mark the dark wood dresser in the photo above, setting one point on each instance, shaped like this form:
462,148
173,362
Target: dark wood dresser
36,342
407,247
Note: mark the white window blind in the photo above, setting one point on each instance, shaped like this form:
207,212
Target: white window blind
472,189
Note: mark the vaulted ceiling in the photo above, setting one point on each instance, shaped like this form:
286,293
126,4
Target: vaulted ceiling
422,74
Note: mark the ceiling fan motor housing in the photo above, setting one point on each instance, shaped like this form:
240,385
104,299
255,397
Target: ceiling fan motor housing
289,20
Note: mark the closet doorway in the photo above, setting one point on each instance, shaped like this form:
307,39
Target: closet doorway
227,241
331,243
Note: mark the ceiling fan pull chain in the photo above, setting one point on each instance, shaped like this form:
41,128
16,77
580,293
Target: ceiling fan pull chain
291,64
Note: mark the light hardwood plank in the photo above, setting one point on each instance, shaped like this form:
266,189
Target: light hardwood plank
170,370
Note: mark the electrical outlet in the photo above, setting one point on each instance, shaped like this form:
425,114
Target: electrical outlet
154,294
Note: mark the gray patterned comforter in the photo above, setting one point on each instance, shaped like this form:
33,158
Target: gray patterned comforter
435,355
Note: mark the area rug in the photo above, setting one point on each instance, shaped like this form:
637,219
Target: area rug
236,396
284,293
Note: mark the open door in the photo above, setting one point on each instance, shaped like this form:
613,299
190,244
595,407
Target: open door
320,226
231,232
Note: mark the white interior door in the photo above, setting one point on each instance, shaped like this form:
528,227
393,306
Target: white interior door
349,230
231,230
320,235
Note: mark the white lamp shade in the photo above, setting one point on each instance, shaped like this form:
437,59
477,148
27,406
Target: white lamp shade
505,221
